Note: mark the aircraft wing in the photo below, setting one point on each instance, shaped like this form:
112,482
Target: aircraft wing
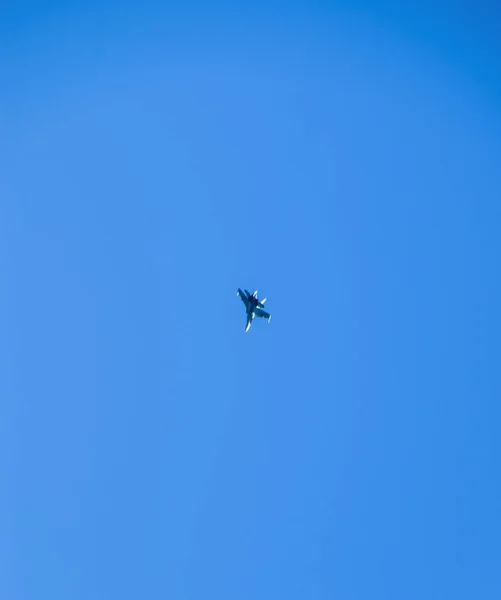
243,295
259,312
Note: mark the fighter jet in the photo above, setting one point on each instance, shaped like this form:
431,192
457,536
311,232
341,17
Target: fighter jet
253,307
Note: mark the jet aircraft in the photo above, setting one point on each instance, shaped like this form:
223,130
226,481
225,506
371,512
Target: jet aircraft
253,307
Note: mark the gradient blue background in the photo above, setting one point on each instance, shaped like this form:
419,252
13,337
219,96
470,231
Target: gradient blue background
343,159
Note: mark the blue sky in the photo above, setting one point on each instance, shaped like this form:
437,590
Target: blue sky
344,160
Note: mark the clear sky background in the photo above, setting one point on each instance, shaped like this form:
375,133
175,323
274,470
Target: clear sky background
344,160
